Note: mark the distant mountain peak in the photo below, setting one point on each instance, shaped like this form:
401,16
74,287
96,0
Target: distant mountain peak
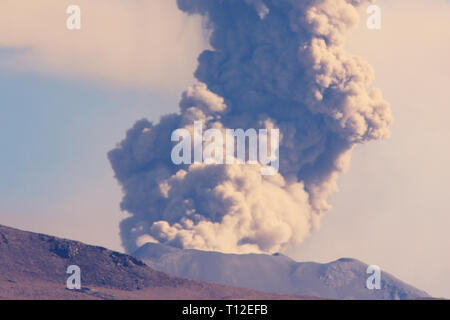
344,278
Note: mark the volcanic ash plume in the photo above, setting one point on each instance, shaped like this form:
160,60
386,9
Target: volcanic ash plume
272,64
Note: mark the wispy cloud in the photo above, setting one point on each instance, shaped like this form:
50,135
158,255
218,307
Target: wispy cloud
123,42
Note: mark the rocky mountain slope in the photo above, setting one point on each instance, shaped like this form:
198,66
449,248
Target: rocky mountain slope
33,266
341,279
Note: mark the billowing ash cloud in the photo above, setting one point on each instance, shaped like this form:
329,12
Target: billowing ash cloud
272,64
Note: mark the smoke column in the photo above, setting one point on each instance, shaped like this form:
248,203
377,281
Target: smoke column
272,64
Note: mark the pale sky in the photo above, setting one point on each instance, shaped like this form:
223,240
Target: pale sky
61,90
392,208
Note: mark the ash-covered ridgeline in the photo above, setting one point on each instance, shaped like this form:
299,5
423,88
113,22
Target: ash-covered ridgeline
272,64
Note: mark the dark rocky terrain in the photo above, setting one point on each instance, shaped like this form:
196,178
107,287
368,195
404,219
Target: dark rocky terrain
33,266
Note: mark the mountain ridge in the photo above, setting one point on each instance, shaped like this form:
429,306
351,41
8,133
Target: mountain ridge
344,278
33,266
